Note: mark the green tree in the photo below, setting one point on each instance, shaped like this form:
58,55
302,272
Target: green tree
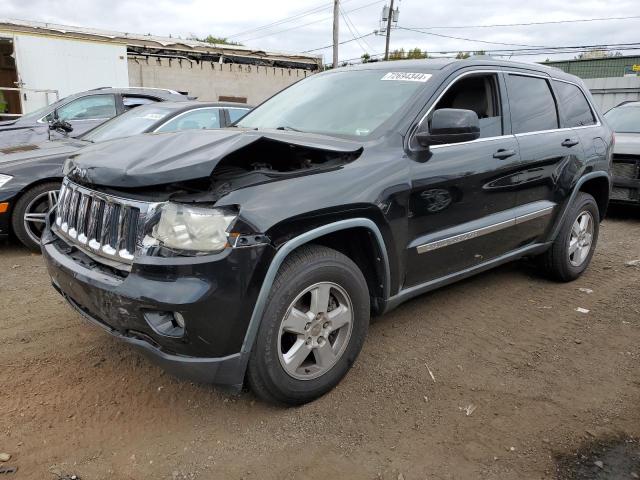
417,53
365,57
462,55
397,54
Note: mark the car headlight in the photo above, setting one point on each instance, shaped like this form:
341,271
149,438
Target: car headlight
184,227
4,179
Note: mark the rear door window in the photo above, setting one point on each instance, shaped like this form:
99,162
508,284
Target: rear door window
533,107
574,105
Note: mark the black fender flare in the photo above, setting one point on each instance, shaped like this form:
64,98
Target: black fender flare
286,249
576,189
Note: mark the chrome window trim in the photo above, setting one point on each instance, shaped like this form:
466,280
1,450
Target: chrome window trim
477,140
495,227
512,72
184,113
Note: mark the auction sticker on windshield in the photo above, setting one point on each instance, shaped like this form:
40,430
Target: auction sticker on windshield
407,76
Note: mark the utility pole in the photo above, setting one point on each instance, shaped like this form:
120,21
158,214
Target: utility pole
336,26
389,20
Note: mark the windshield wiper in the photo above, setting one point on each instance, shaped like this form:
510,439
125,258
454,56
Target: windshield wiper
291,129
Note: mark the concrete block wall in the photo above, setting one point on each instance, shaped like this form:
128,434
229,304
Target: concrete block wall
611,91
210,81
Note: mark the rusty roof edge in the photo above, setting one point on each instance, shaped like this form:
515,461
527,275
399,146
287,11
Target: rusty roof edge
148,41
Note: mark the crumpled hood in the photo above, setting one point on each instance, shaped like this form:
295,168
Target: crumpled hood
627,144
34,152
163,158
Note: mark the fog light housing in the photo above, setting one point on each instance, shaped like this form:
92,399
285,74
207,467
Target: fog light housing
177,316
167,324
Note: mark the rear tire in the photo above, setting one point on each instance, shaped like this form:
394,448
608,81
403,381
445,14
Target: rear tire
313,327
573,248
29,213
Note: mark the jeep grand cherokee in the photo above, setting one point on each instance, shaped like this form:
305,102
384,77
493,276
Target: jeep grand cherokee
260,252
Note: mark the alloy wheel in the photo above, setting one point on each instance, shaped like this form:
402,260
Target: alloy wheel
315,331
35,214
581,238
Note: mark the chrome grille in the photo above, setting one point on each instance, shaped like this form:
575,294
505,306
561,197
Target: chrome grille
100,224
626,166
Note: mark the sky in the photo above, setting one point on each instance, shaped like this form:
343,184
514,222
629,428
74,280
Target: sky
308,31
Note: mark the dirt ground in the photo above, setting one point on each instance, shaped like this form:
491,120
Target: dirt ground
520,380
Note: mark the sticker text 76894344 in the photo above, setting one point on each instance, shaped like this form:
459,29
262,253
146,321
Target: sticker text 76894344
407,76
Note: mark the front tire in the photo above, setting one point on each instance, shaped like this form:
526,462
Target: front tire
30,212
573,248
313,328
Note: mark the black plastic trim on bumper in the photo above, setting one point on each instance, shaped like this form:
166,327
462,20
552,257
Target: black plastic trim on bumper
228,371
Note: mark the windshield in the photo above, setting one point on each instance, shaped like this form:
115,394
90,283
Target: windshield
353,103
133,122
625,119
41,112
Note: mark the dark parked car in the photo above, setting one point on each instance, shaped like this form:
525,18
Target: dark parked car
625,121
81,111
261,251
30,174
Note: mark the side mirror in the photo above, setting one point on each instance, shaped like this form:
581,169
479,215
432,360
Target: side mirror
449,125
60,125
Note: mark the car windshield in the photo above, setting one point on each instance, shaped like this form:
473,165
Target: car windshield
624,119
133,122
41,112
352,103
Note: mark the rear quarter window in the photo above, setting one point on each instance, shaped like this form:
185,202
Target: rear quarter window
574,105
532,105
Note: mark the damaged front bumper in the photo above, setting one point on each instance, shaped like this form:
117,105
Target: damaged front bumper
213,294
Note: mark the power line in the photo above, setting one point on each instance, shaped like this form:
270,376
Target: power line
353,29
302,14
541,51
340,43
468,39
536,51
311,23
528,23
355,37
433,34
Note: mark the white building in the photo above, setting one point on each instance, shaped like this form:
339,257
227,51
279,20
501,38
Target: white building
46,61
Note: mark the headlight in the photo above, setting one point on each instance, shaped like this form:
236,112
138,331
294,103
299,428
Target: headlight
4,179
193,228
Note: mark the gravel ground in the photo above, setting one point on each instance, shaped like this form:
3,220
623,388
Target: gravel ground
522,384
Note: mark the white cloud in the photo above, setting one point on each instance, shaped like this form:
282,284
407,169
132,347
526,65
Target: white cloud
203,17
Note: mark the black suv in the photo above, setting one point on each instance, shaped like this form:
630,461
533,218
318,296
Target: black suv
261,251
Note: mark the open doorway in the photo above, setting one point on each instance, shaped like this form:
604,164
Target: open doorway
9,100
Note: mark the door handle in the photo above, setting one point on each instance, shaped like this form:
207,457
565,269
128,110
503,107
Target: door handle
503,153
570,142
